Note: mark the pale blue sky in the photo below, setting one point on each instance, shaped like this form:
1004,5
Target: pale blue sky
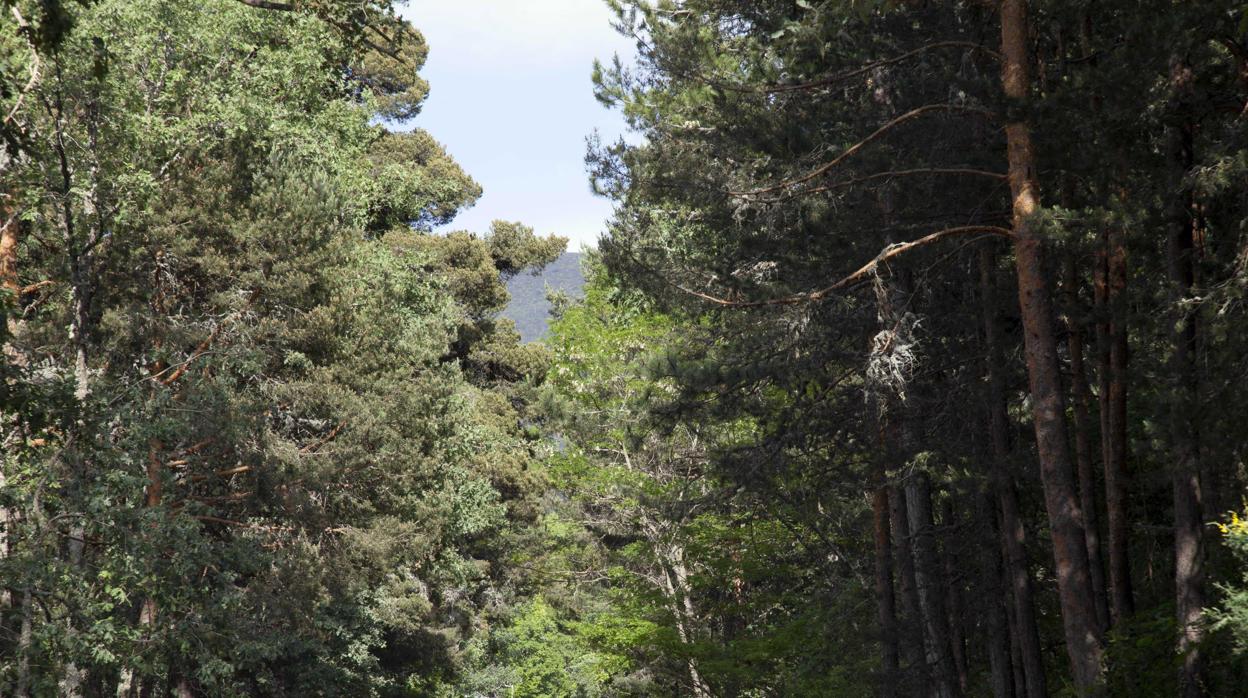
511,99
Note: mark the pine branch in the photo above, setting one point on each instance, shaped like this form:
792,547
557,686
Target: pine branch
851,150
185,365
858,276
841,77
266,5
1000,176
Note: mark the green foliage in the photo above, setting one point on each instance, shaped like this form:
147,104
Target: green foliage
1232,614
261,436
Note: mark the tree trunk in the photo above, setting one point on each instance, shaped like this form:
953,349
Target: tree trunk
1016,650
1184,404
927,577
954,601
25,635
911,632
1121,595
1083,442
885,598
1074,581
1014,536
992,595
675,583
147,612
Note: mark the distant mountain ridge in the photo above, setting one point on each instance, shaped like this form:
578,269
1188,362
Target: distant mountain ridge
529,308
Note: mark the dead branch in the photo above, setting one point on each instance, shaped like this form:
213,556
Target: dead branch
858,276
851,150
970,172
199,351
313,447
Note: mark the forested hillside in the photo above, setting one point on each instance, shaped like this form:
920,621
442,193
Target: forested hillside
530,306
909,364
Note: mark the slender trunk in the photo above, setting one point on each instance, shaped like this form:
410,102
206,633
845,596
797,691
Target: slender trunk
885,599
993,594
147,612
1111,396
1074,581
1083,443
1100,286
1184,403
79,273
79,253
1119,520
700,687
675,586
911,632
25,635
1016,648
1014,536
954,602
6,518
927,580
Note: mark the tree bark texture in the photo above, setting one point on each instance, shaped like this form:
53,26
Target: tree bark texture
910,635
1184,405
1083,442
992,598
954,603
1083,641
1122,602
886,600
928,579
1030,661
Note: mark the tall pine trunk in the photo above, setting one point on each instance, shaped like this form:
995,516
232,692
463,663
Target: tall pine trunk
911,631
886,600
954,605
1083,440
1184,403
1070,551
1122,601
992,595
931,595
1014,536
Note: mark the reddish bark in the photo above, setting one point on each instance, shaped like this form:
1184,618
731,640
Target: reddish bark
8,249
1070,552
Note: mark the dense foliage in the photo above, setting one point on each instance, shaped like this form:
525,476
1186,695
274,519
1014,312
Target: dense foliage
261,431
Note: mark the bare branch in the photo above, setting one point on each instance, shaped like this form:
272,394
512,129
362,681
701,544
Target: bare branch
266,5
858,276
199,351
851,150
313,447
35,64
1001,176
31,288
841,77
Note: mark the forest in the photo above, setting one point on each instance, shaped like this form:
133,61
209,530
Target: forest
910,363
